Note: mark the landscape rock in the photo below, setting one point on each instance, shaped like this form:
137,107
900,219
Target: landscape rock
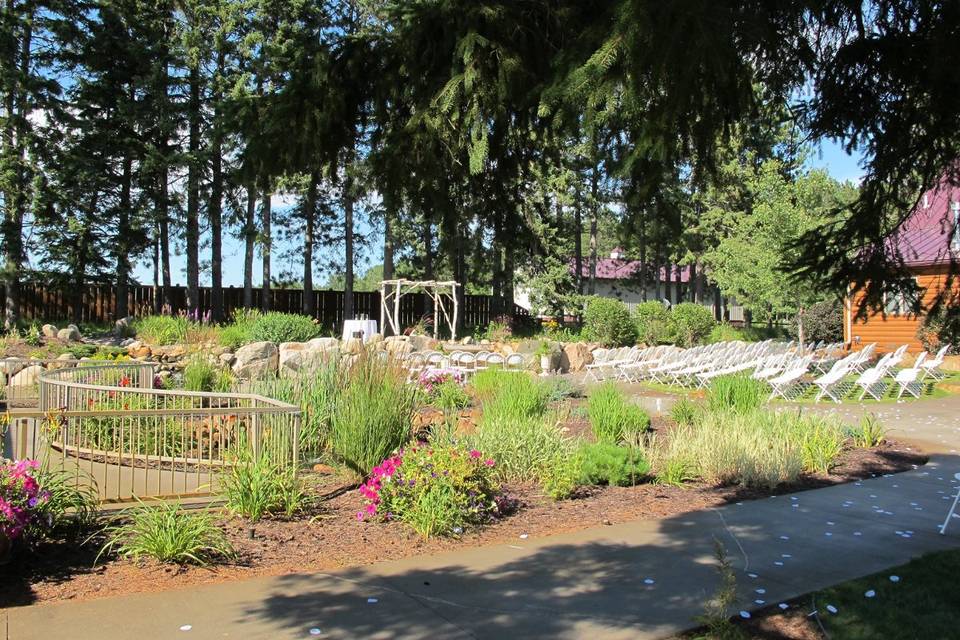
27,377
575,356
423,343
467,340
353,346
398,345
123,327
227,358
49,331
64,361
375,339
137,349
169,353
324,344
69,334
256,359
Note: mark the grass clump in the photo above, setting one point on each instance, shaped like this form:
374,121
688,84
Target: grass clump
283,327
315,390
685,412
611,416
161,330
869,433
256,487
72,502
522,396
169,534
607,464
200,374
372,413
738,393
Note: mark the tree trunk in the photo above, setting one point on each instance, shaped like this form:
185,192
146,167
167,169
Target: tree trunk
427,261
348,239
594,213
309,216
267,241
192,234
215,206
249,240
578,238
165,261
388,240
643,257
123,234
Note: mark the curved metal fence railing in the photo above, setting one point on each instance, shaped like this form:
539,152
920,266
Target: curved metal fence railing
109,425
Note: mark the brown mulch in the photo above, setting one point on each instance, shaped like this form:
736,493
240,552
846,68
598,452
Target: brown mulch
331,537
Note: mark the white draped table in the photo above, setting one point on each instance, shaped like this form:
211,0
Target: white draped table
366,327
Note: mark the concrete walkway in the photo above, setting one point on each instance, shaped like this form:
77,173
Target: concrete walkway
644,579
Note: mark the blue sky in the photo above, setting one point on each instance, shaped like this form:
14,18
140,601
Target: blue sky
828,155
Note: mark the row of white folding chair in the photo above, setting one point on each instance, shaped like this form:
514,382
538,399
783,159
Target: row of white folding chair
604,360
649,358
834,382
909,379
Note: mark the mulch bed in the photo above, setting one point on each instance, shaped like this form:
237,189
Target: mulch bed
331,538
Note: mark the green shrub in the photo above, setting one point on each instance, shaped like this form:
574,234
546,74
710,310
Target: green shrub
652,320
675,472
372,414
559,388
723,332
167,533
690,323
435,489
611,416
869,433
81,350
560,477
605,463
449,395
738,393
487,383
940,328
202,375
254,488
608,322
315,390
821,321
237,333
161,330
685,412
283,327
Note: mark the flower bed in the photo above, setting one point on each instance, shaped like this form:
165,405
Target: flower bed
22,500
437,490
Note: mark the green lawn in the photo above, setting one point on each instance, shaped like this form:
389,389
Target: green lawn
925,603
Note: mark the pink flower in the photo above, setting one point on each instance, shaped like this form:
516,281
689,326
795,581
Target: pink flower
359,516
475,454
489,462
371,509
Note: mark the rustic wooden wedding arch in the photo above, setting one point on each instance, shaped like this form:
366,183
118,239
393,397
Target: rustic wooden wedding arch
443,294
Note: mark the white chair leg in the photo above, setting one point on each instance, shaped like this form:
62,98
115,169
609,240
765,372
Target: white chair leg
953,508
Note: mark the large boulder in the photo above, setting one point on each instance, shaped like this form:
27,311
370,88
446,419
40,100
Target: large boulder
63,361
70,334
256,359
49,331
298,356
575,356
398,345
353,346
423,343
27,377
137,349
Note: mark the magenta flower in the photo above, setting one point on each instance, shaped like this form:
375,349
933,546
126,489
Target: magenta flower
489,462
475,454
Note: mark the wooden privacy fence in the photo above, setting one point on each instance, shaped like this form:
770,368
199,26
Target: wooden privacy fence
99,303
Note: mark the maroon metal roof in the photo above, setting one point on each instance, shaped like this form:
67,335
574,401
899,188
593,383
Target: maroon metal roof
925,237
620,269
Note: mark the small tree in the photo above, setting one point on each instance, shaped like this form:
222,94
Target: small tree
608,322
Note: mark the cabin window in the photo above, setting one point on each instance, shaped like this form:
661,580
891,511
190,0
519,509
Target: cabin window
904,300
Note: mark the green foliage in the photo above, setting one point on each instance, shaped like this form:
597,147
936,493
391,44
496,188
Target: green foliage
161,330
609,464
686,412
283,327
528,448
737,392
170,534
821,321
517,396
81,350
724,333
440,489
560,477
869,433
200,374
313,389
110,354
449,395
253,488
559,388
608,322
675,472
372,414
485,384
939,328
73,498
32,335
716,614
237,333
690,323
652,319
611,416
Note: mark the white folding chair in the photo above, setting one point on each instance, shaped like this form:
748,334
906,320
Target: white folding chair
931,367
783,384
494,360
907,379
953,508
515,362
831,384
